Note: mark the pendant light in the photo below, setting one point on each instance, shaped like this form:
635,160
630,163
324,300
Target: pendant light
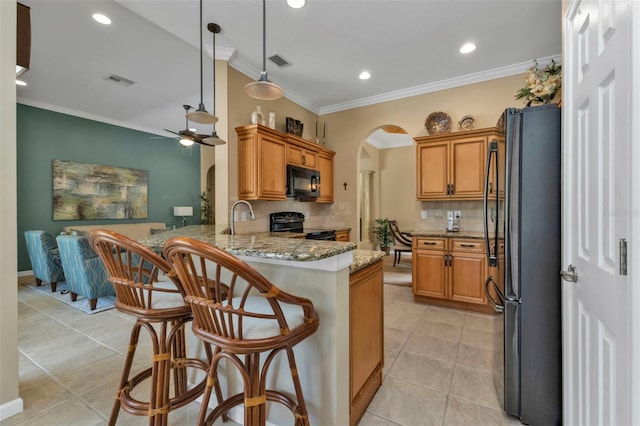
214,139
201,115
263,89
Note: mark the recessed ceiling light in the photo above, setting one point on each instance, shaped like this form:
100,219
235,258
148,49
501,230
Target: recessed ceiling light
364,75
99,17
20,83
467,48
296,4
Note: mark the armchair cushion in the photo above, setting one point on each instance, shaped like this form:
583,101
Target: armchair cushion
44,256
85,272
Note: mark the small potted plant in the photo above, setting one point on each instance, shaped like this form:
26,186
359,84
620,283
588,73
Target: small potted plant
383,234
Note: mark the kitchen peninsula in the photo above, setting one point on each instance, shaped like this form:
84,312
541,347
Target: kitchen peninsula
340,366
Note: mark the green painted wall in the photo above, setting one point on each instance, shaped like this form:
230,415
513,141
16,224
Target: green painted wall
44,136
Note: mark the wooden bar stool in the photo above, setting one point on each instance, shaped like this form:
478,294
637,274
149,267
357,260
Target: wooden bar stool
146,289
243,315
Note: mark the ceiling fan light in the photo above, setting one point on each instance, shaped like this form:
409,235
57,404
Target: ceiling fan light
186,142
296,4
263,89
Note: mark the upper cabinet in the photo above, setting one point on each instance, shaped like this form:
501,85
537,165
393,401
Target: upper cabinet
298,154
325,166
263,155
262,171
453,165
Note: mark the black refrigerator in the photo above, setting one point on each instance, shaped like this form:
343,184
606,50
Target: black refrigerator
528,218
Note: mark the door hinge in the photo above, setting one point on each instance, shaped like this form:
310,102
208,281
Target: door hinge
623,256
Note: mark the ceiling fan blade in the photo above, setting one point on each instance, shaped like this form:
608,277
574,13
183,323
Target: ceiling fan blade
171,131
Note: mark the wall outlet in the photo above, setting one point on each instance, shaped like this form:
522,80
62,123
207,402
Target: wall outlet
423,214
456,214
450,215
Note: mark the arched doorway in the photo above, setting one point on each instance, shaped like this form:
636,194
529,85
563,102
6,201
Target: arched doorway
386,167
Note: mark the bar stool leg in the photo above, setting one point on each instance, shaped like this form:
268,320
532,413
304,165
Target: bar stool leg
133,342
302,416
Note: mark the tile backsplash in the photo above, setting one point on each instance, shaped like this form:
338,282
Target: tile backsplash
317,215
471,215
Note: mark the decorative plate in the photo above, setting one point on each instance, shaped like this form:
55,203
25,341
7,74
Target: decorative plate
467,122
438,122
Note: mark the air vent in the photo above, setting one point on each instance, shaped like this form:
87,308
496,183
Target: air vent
279,61
120,80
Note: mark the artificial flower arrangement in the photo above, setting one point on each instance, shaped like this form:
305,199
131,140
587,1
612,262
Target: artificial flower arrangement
542,84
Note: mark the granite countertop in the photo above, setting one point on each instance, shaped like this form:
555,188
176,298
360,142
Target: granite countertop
263,245
444,234
362,258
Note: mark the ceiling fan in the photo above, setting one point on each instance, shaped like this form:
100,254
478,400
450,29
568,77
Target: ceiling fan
187,137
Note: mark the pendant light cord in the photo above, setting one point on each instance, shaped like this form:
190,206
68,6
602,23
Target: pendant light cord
214,77
201,80
264,36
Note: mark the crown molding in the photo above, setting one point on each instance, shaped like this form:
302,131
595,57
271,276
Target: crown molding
450,83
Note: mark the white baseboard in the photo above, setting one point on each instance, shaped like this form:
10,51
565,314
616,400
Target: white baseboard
25,273
11,408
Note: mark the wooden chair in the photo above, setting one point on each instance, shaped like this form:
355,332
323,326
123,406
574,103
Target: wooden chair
147,290
244,315
401,241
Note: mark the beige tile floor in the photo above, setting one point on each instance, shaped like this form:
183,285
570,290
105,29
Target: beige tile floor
442,366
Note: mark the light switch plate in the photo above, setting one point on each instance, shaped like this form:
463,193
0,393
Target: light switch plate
456,214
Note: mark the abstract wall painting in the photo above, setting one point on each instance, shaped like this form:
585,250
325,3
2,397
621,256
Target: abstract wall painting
84,191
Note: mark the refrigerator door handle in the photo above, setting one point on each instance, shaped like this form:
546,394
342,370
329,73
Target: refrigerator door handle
497,306
492,256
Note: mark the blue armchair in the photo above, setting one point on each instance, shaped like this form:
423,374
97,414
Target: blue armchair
44,257
85,272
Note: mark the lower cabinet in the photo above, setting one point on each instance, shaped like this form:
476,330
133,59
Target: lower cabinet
342,236
366,340
451,272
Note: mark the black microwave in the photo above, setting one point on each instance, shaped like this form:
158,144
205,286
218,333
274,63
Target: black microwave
303,183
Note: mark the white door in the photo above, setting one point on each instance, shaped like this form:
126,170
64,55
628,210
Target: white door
596,211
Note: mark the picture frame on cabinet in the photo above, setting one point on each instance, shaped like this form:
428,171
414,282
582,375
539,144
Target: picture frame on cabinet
294,126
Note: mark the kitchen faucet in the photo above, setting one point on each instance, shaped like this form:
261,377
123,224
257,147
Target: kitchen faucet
233,206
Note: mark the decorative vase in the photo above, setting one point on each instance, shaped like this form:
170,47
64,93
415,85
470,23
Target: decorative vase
257,117
272,120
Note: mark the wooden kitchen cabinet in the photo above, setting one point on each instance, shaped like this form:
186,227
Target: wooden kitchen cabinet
325,166
263,156
429,274
342,236
468,263
453,165
451,272
262,172
300,153
366,338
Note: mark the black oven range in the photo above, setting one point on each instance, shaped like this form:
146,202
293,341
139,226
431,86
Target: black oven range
293,222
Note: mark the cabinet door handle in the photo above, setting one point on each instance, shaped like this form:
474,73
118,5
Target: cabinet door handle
490,187
304,160
468,245
453,189
428,243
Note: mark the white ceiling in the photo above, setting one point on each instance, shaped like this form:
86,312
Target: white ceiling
410,47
